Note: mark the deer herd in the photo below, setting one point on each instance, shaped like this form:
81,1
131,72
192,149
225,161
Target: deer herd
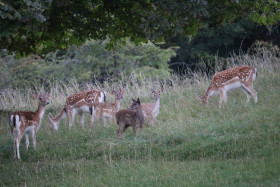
94,102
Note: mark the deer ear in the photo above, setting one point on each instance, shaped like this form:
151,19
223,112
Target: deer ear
36,96
161,90
133,100
153,91
49,93
138,100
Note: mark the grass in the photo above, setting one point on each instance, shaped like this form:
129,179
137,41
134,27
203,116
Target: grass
190,145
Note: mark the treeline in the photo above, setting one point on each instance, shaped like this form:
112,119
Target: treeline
91,62
222,41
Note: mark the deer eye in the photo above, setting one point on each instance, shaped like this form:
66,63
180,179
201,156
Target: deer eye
40,98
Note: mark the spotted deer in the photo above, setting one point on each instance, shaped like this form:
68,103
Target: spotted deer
151,110
78,102
107,110
130,117
236,77
27,123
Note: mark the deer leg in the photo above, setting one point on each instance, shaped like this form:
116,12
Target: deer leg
252,91
104,121
15,147
222,98
93,114
150,121
248,94
92,120
121,130
14,135
27,141
34,138
134,129
17,144
82,119
72,114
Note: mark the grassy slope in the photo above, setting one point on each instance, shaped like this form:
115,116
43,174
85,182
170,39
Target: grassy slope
190,145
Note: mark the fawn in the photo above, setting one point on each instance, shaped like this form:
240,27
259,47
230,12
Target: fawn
27,122
151,110
107,110
130,117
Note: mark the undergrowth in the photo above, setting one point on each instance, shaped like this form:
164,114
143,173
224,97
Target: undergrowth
190,144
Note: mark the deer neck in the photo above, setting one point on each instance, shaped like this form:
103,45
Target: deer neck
140,115
40,113
59,116
156,106
207,95
117,104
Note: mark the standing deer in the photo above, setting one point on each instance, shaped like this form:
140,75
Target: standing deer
27,122
232,78
78,102
151,110
107,110
130,117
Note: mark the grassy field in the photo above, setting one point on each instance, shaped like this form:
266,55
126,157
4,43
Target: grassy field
190,145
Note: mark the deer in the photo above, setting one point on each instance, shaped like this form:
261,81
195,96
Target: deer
27,123
224,81
78,102
130,117
107,110
151,110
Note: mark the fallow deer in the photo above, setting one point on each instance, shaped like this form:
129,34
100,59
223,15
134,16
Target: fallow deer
151,110
78,102
107,110
27,122
236,77
130,117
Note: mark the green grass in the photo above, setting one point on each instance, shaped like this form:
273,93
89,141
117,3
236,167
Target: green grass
190,145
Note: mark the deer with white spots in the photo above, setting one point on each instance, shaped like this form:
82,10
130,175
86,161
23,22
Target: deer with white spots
236,77
107,110
78,102
27,122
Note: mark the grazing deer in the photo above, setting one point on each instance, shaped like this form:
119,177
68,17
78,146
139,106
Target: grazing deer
232,78
107,110
151,110
130,117
27,122
78,102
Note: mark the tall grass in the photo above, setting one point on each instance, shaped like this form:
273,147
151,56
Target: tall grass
190,145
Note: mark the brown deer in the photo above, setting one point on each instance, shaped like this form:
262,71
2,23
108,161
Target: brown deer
130,117
107,110
151,110
78,102
27,122
222,82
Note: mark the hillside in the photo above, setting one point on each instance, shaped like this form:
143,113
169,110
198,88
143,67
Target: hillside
190,145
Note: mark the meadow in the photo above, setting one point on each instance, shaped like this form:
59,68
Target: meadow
189,145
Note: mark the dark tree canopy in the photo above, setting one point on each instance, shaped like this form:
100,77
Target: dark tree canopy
40,26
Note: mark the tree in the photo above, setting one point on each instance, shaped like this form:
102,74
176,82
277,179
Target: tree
42,26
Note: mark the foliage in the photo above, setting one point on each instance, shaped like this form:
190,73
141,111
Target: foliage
43,26
190,145
218,42
90,62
